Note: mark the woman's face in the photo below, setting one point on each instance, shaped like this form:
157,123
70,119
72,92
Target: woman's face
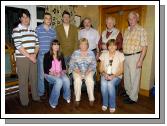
87,23
83,46
112,48
55,48
25,20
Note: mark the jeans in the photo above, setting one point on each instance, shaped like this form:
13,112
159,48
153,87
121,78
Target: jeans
108,91
41,86
58,83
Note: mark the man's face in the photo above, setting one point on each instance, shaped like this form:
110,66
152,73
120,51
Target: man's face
109,23
132,20
25,20
66,18
47,19
87,23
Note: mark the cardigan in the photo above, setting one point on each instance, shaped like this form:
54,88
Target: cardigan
47,63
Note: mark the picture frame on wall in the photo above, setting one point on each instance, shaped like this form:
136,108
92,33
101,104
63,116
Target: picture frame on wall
77,20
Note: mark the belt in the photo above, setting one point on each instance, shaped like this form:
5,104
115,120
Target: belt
93,49
131,53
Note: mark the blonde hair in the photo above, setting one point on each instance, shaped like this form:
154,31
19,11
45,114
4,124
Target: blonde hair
112,18
84,40
135,14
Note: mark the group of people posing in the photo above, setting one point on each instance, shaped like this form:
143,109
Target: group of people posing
52,54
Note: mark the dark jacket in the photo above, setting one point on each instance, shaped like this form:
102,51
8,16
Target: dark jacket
47,63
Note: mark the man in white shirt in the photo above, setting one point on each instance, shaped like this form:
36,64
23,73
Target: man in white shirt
91,34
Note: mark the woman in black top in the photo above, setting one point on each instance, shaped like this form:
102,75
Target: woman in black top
55,73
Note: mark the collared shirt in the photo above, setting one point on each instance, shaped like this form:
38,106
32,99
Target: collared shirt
24,37
82,63
45,38
92,35
134,40
66,29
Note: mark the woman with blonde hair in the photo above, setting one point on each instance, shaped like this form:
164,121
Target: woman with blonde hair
83,66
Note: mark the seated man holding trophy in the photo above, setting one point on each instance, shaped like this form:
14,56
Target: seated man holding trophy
83,66
111,69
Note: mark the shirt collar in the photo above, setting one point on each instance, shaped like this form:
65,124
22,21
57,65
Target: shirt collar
23,27
49,26
88,29
136,26
110,30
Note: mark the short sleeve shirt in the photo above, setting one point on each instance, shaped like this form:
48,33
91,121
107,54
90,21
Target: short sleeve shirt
134,40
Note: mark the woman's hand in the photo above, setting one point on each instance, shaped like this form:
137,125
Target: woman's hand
57,74
63,72
51,72
105,75
88,71
111,77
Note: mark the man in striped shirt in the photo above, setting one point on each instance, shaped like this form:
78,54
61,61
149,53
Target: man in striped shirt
45,34
26,43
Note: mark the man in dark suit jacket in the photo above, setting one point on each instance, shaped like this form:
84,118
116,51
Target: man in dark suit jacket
67,35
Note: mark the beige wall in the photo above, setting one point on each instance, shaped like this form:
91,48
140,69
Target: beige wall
90,11
148,71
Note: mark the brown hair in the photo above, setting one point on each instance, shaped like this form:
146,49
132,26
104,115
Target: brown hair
110,42
65,12
46,13
59,54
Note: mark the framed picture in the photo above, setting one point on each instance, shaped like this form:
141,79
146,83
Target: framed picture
77,20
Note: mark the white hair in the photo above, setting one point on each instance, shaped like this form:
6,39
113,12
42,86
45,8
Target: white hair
135,14
112,18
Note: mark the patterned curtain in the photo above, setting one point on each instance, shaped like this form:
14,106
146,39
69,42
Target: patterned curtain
56,12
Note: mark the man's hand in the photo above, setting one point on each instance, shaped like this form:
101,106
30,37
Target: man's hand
32,57
139,64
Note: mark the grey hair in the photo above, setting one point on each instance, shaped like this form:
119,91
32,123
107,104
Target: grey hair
87,18
112,18
135,14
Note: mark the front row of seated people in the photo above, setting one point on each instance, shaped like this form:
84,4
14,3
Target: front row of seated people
83,67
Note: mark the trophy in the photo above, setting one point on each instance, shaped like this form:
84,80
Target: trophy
109,68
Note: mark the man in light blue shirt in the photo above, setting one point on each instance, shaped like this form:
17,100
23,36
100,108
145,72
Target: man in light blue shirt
45,35
91,34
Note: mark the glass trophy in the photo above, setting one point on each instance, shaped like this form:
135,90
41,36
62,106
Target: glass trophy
109,68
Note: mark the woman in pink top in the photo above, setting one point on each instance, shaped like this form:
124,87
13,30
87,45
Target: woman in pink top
55,73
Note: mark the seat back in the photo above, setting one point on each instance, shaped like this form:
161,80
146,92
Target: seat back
11,79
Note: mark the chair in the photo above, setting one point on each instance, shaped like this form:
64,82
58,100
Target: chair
11,78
